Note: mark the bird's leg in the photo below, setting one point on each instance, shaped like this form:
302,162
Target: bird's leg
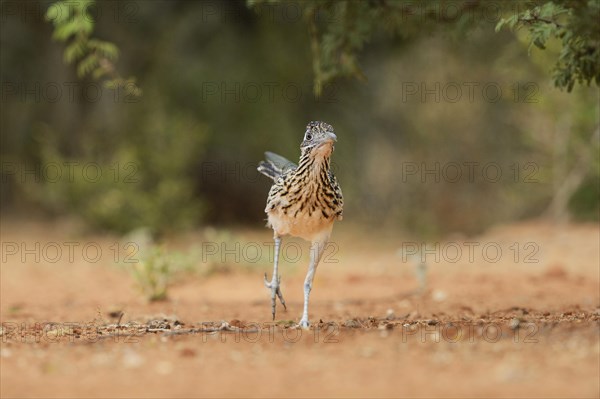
316,251
273,285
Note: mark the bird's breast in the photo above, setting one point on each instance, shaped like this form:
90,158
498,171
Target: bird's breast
303,225
305,211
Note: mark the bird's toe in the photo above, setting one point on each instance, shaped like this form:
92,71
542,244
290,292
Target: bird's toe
304,324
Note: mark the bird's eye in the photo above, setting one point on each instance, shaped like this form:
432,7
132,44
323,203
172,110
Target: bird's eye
308,137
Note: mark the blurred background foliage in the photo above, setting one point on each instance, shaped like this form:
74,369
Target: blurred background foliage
413,89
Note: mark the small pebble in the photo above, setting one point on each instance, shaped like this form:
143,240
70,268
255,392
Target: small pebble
352,324
390,314
188,352
5,353
439,296
132,360
514,323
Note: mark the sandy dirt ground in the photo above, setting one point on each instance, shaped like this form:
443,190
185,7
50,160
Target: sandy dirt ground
514,312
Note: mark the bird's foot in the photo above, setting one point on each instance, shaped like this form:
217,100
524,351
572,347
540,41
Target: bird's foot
274,286
304,324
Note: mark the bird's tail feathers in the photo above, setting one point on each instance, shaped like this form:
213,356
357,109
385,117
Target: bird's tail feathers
275,165
269,169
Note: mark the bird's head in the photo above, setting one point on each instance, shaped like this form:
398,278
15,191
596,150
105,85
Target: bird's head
318,138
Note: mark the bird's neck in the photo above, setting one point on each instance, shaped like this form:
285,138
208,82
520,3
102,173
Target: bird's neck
315,161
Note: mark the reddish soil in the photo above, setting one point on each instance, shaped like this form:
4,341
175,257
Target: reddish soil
522,324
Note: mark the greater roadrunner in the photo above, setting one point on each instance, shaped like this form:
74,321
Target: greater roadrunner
303,202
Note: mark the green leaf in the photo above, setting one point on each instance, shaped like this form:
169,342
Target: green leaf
106,49
66,30
87,65
539,43
74,51
500,24
86,25
98,73
58,13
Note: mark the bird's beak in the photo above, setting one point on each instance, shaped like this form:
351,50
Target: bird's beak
326,141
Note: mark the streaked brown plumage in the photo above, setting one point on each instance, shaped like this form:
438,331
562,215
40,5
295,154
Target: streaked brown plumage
304,201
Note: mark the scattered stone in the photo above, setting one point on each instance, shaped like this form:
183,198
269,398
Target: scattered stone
385,326
352,324
514,323
132,360
389,315
237,323
557,272
439,296
188,352
115,313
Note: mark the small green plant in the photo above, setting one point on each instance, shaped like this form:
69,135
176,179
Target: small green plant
153,274
157,269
